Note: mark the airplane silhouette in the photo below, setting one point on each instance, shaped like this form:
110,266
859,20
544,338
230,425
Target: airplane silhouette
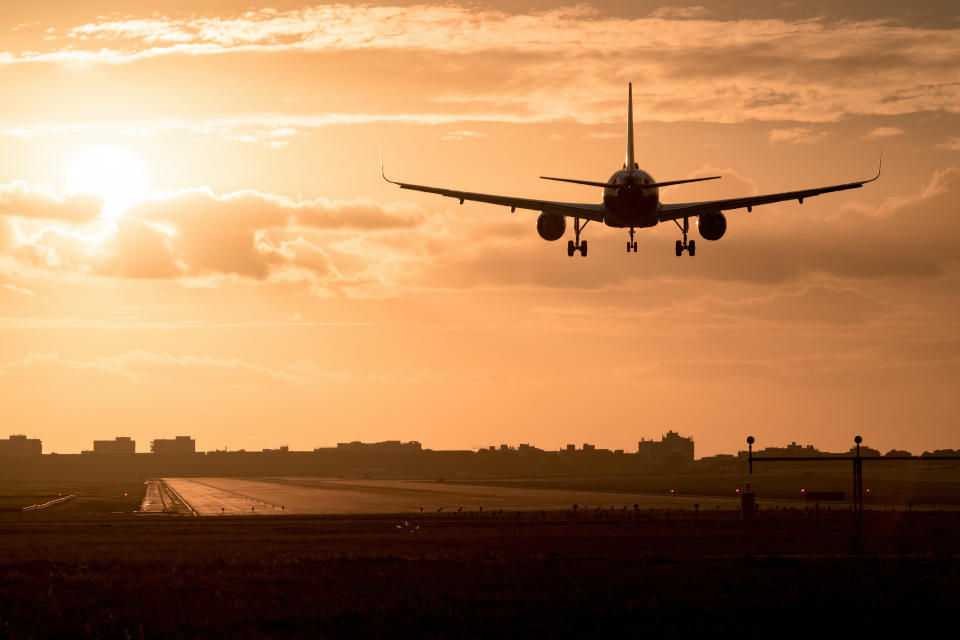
631,199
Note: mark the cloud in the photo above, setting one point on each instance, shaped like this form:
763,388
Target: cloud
23,133
247,233
773,244
160,367
22,200
52,368
813,70
199,237
885,132
139,250
460,134
893,240
795,135
951,144
20,291
680,13
364,248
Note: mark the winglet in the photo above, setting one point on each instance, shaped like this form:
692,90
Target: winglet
879,167
382,173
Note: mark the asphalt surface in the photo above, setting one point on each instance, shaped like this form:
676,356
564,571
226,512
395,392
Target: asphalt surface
152,500
271,496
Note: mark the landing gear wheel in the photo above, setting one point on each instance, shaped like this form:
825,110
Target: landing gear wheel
631,246
679,248
583,248
570,248
692,248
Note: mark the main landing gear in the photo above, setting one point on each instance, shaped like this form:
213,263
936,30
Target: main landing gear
631,244
689,247
574,246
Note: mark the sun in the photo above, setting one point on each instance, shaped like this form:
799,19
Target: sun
113,174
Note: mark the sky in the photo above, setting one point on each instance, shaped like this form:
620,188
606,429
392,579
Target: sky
195,237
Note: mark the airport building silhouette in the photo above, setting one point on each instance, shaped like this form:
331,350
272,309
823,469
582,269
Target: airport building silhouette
20,446
178,457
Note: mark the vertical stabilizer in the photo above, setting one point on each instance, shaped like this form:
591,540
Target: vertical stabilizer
630,162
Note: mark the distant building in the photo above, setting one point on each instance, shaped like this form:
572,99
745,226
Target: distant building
119,445
864,451
181,445
720,462
672,451
792,450
897,453
20,446
527,449
388,446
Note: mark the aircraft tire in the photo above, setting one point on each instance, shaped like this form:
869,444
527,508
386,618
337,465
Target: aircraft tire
679,248
692,248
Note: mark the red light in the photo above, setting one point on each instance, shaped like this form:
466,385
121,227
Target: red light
124,494
803,490
59,495
671,490
868,490
738,490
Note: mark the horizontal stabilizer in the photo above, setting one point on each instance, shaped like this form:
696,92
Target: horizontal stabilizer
609,185
589,183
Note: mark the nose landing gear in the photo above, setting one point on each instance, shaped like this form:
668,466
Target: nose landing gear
689,247
631,244
575,246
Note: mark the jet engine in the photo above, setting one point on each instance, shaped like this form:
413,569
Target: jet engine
550,226
712,226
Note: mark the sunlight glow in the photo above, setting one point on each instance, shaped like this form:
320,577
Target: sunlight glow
113,174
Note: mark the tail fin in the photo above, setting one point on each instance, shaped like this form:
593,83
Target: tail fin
630,163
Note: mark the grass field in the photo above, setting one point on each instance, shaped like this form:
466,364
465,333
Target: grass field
659,573
91,498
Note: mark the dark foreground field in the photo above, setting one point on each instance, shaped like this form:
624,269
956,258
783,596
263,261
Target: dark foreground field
649,574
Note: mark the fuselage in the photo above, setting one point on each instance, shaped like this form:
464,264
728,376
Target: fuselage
631,205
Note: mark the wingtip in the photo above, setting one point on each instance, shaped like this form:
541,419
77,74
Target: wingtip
382,172
879,166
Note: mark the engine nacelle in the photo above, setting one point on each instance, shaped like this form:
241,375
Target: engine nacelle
712,226
550,226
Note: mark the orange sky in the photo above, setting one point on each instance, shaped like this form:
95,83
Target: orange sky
194,236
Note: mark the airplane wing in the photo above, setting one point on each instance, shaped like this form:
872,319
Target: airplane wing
571,209
690,209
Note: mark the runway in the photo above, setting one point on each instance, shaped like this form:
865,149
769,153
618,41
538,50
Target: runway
275,496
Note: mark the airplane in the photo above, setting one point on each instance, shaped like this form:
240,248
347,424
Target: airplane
631,199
